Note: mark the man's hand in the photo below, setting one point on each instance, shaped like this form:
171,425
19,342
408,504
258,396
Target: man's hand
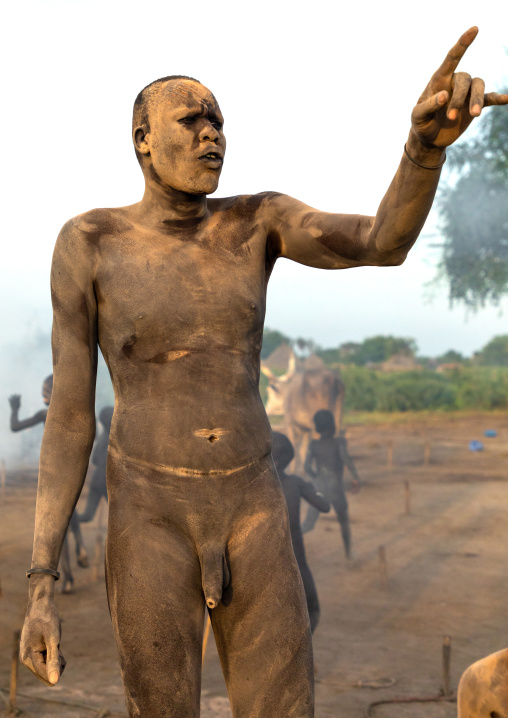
355,486
40,638
15,402
451,100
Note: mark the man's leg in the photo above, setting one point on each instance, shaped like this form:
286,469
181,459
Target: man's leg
156,602
340,505
310,594
261,626
92,502
65,567
80,547
310,519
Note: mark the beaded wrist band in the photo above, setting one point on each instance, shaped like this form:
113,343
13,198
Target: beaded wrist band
425,167
49,571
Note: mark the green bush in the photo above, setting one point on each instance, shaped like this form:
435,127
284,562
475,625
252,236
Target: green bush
468,388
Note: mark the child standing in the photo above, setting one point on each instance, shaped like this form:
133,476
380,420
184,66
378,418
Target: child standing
325,461
295,489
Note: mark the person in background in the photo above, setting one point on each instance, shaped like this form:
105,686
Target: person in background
325,461
296,489
39,417
97,488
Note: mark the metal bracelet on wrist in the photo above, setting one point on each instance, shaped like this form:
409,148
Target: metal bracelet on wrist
49,571
425,167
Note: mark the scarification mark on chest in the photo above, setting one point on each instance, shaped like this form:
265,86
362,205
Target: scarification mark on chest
165,357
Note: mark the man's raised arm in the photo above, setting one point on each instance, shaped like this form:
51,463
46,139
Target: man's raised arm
67,441
447,106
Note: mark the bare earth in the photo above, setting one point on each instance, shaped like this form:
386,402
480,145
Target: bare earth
446,568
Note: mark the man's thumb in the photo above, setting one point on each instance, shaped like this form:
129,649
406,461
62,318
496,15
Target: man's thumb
53,662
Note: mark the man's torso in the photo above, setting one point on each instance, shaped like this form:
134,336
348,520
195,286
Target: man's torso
180,321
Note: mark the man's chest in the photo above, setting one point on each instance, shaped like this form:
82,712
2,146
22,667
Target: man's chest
160,284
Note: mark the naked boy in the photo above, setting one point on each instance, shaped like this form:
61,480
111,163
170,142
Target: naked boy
173,290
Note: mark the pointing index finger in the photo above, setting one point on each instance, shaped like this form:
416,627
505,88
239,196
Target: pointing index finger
456,54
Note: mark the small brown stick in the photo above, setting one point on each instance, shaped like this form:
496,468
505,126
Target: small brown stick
447,650
205,637
3,477
383,569
426,454
97,559
407,497
13,688
389,459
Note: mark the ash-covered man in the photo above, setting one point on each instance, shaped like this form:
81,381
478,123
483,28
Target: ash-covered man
173,290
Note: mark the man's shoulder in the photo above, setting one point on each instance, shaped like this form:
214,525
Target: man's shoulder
88,228
245,204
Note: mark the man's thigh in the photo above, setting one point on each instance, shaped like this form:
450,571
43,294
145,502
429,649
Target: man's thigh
262,626
157,609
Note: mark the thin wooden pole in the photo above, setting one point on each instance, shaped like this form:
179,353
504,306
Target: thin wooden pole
426,454
447,651
383,569
14,673
206,637
389,459
407,497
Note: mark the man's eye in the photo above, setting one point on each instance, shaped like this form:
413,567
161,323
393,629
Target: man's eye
217,125
187,120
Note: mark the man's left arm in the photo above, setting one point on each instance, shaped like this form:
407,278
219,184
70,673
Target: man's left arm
446,108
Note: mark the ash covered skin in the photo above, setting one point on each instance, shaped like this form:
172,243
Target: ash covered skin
483,688
173,290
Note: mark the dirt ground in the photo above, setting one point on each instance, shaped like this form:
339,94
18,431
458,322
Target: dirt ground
446,575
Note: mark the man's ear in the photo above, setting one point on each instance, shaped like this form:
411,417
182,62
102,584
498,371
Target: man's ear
140,137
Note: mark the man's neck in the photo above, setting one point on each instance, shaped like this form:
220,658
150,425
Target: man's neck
163,204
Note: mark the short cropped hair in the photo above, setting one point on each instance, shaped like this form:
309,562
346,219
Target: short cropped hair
324,421
148,97
282,450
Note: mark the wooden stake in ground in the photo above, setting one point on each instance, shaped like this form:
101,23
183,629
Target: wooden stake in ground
389,458
383,569
206,637
447,651
407,497
426,454
14,673
3,477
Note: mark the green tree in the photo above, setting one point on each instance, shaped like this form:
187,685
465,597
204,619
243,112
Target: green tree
451,357
474,216
380,348
271,340
495,353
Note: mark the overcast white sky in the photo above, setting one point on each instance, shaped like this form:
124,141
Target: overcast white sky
317,98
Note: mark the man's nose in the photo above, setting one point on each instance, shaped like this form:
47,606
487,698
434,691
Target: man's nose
208,133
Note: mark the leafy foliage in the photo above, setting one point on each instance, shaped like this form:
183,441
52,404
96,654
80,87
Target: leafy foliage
470,388
271,340
495,353
474,214
372,350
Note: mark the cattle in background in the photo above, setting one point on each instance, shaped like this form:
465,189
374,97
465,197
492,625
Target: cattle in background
305,388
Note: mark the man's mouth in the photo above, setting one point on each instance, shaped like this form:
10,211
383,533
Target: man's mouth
212,159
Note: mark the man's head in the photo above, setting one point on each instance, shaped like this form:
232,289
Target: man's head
47,389
324,422
282,450
177,134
